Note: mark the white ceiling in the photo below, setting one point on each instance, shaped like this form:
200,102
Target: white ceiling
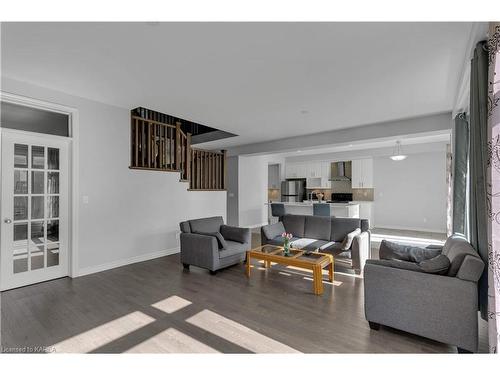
263,81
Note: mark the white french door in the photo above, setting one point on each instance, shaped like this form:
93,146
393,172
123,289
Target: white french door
34,208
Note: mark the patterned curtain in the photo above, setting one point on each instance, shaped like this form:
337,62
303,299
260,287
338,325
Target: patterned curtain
494,188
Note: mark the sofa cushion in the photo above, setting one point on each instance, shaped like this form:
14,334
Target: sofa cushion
232,248
318,227
207,225
334,248
395,263
308,244
456,248
342,226
278,240
438,265
273,230
294,224
185,227
392,250
237,234
347,242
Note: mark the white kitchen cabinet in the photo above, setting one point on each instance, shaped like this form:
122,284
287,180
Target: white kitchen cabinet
325,170
295,170
362,173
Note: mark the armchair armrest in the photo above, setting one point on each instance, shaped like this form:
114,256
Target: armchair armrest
439,307
237,234
199,250
360,251
270,231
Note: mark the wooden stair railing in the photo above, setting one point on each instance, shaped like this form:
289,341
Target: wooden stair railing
208,170
158,146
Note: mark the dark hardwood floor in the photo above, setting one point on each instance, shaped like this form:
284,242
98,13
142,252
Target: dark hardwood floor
156,306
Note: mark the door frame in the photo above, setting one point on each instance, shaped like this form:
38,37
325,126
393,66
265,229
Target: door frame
73,143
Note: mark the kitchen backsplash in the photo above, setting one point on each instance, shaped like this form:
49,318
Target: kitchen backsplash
362,194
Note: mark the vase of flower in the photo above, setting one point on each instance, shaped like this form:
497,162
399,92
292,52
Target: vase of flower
286,243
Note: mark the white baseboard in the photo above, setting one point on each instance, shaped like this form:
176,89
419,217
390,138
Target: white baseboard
124,262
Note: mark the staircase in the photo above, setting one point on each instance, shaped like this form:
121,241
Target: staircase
158,145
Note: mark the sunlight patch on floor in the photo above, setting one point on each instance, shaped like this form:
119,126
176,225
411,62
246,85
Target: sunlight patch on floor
237,333
104,334
171,340
171,304
334,283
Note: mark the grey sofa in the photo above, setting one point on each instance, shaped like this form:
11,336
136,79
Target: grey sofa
202,245
442,307
325,234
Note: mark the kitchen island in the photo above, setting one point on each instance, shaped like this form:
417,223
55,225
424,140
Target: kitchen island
306,208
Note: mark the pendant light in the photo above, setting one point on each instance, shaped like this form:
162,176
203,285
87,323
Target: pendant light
397,155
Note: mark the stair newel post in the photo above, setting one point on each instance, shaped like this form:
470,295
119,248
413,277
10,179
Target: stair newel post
178,146
224,152
188,156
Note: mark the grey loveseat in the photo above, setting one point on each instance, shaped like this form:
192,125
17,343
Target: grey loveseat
325,234
210,244
400,293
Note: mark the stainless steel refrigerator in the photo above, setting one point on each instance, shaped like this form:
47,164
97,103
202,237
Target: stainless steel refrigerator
293,190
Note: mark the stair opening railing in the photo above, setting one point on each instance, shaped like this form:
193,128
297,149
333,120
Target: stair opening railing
159,146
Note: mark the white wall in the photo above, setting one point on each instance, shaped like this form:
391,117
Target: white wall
411,194
251,194
131,214
252,191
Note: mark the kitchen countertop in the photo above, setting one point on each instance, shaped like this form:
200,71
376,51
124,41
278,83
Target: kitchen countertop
311,203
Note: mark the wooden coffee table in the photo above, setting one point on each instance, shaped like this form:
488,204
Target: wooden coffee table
298,258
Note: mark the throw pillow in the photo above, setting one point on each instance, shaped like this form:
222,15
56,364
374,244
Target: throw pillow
346,244
221,242
438,265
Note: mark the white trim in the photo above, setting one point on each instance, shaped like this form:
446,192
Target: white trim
414,229
125,262
74,162
253,226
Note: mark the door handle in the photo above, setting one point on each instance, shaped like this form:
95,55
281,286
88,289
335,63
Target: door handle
7,221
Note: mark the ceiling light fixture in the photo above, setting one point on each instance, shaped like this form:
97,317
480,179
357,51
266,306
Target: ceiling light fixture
397,155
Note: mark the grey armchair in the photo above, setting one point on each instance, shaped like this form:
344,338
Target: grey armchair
401,293
209,244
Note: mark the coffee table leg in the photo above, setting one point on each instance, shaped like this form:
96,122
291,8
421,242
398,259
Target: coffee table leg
330,270
318,280
248,265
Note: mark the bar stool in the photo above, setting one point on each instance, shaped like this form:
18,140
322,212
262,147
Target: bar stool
321,209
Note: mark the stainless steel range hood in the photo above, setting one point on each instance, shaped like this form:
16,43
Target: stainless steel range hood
341,171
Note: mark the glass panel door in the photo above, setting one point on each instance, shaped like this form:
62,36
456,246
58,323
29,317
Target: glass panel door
34,209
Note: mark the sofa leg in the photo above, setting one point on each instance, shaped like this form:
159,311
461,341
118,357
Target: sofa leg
463,351
374,326
186,266
213,272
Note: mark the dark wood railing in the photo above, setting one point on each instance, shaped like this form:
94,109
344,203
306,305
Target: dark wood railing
165,147
208,170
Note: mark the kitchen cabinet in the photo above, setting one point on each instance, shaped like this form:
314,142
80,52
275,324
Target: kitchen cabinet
273,176
317,173
362,173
